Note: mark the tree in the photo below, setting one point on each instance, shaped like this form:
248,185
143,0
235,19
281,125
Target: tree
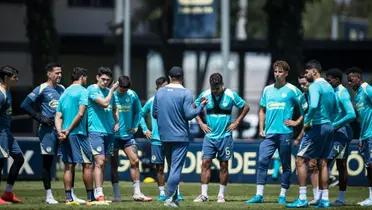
42,35
285,34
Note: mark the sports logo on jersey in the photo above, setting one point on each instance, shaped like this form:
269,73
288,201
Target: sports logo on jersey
53,104
123,108
99,149
153,158
48,149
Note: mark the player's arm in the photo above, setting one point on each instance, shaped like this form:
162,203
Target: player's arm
190,111
261,122
27,104
137,112
314,103
155,108
237,121
302,106
105,102
369,92
297,141
144,111
115,114
199,120
58,123
349,109
76,120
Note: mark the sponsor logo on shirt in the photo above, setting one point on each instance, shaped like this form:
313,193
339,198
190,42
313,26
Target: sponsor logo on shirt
53,104
276,105
123,108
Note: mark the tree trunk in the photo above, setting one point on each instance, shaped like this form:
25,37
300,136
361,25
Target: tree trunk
42,35
285,34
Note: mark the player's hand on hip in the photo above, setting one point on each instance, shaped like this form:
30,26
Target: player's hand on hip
232,126
205,128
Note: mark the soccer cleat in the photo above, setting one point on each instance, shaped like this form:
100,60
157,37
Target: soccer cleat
314,202
75,198
221,199
72,203
338,203
298,204
51,200
162,198
366,202
200,199
180,197
141,197
10,197
323,204
255,199
2,202
282,200
100,198
171,203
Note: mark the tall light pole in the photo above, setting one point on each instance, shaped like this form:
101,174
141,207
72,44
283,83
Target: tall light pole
225,40
126,38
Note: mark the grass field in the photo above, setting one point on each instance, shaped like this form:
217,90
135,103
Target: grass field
33,196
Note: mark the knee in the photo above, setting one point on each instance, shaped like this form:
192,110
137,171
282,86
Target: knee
99,162
300,161
313,165
206,164
160,168
322,163
223,168
87,166
134,163
263,162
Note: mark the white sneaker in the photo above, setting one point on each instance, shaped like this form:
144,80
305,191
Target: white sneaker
171,203
220,199
141,197
366,202
313,202
75,198
51,200
201,198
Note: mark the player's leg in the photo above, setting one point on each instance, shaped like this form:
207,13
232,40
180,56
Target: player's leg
314,179
131,152
276,165
157,158
18,160
266,151
209,152
114,161
285,151
225,152
98,151
4,154
365,148
176,155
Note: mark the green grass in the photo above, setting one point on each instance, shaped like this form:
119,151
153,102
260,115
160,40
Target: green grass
33,195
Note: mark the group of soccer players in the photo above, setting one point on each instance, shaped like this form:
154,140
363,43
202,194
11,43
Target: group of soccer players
90,126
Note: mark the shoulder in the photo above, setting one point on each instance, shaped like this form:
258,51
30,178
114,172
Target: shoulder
92,87
59,86
267,88
230,93
132,93
205,93
41,88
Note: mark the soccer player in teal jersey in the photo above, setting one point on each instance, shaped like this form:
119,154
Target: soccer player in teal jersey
8,145
313,167
46,97
157,153
317,141
71,123
363,104
218,142
127,111
101,124
277,105
343,132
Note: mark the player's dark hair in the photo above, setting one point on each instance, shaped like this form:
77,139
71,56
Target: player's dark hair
313,64
50,66
77,72
354,69
281,64
215,80
104,70
159,81
124,82
335,72
7,70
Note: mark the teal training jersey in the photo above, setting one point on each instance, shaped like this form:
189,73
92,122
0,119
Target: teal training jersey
279,104
363,100
322,103
219,122
99,119
129,107
69,102
345,110
147,109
